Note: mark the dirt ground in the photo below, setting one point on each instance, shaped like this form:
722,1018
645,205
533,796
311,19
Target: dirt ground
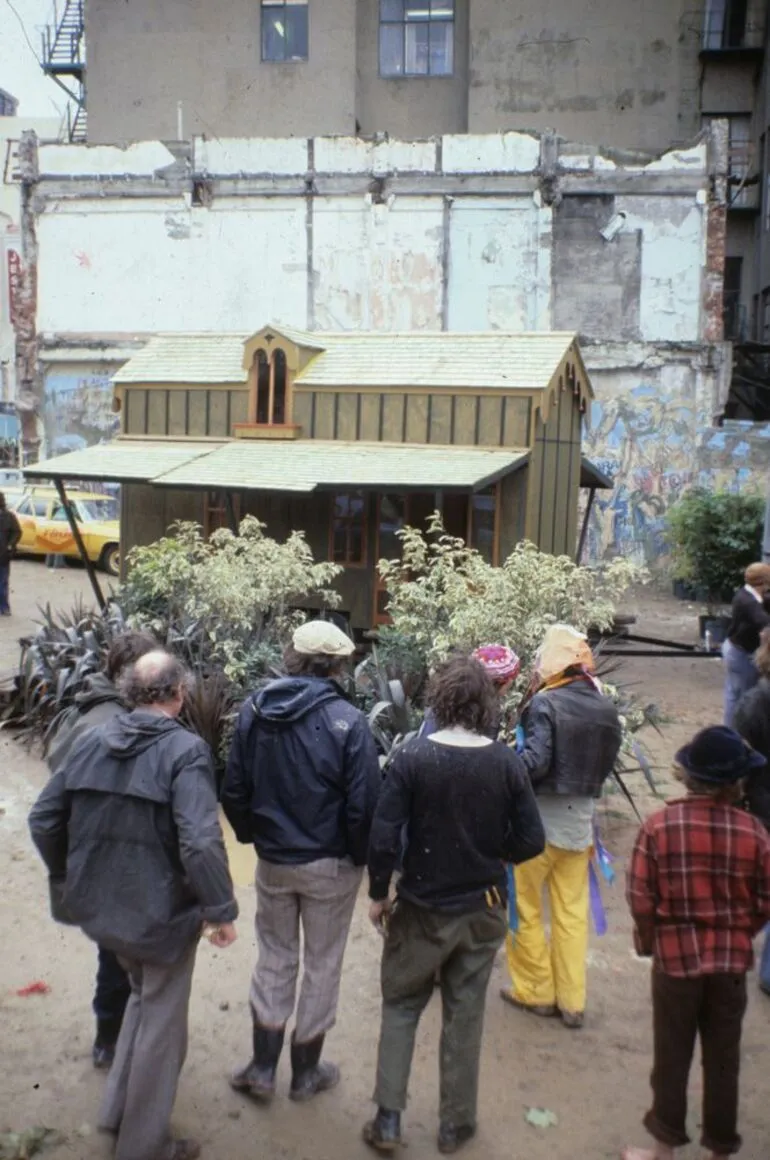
596,1081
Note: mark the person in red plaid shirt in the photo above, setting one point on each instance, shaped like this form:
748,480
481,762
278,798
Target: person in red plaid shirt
699,891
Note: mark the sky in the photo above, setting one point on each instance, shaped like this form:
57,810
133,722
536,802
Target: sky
20,74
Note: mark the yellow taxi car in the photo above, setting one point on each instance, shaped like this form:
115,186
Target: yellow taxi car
45,529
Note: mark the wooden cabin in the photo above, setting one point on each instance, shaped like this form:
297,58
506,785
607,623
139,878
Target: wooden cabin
348,437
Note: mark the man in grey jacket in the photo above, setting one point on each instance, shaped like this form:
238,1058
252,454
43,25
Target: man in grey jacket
129,831
99,703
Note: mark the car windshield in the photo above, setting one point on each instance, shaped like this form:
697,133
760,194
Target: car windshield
97,509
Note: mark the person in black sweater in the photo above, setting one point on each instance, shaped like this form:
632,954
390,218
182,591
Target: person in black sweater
752,721
469,808
749,617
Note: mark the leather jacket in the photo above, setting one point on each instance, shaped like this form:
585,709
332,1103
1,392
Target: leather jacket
572,740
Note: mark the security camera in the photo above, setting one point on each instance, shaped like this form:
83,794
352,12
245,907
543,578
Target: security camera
613,226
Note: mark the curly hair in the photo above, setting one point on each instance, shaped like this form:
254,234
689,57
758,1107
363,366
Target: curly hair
126,650
762,655
461,692
155,679
311,664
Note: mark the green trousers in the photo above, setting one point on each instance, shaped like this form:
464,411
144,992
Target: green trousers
462,949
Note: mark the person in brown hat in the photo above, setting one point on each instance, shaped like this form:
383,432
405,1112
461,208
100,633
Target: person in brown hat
301,785
749,617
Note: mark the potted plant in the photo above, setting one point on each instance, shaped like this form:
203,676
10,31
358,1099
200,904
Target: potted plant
714,536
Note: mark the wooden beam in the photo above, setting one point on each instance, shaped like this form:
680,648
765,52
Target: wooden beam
70,514
230,509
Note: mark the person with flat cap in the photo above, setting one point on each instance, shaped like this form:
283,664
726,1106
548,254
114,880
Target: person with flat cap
301,785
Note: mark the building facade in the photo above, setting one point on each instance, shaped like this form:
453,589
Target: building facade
629,78
499,232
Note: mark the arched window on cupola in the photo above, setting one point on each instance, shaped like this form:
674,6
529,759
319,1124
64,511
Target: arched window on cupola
271,388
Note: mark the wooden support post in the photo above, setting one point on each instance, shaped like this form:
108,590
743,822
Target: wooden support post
584,529
70,514
230,509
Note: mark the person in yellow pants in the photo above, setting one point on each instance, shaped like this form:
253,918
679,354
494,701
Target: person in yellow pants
572,739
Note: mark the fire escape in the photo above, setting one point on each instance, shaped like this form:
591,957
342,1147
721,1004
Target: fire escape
64,60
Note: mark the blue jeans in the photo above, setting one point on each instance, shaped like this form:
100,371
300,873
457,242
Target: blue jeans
764,964
5,572
740,676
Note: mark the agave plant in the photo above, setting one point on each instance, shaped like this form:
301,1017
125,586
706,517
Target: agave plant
65,650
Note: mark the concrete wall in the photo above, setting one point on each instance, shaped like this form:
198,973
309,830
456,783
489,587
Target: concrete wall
411,106
471,232
623,74
146,56
11,128
627,74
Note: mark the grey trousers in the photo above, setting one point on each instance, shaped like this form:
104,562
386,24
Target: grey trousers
150,1052
462,948
320,898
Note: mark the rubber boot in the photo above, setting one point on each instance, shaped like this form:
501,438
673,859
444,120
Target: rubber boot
257,1079
309,1076
107,1032
450,1138
383,1133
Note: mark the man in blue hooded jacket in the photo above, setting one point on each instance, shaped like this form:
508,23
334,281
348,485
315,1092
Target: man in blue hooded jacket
301,785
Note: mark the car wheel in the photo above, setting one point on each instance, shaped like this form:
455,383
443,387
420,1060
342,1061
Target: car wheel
110,560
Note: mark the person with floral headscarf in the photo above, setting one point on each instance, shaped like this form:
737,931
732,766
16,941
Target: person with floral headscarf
572,738
503,666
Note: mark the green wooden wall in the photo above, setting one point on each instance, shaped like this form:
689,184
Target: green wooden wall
202,412
488,420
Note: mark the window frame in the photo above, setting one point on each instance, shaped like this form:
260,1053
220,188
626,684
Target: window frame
348,521
264,377
403,24
215,516
265,7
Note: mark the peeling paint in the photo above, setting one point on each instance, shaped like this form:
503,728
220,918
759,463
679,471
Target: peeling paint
142,159
492,153
503,231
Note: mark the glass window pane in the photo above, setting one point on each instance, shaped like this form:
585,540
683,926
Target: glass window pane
442,9
391,50
356,544
340,506
416,49
441,49
391,10
418,10
273,34
340,543
296,32
483,525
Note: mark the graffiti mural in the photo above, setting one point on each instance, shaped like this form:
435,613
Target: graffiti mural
78,408
655,442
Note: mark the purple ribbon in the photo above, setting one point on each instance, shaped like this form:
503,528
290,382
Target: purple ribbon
598,913
513,911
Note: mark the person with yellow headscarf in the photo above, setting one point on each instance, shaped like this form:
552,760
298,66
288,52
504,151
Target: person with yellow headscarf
572,738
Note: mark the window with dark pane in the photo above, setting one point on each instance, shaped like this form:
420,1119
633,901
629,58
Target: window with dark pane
483,523
416,38
348,536
279,388
263,388
284,30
